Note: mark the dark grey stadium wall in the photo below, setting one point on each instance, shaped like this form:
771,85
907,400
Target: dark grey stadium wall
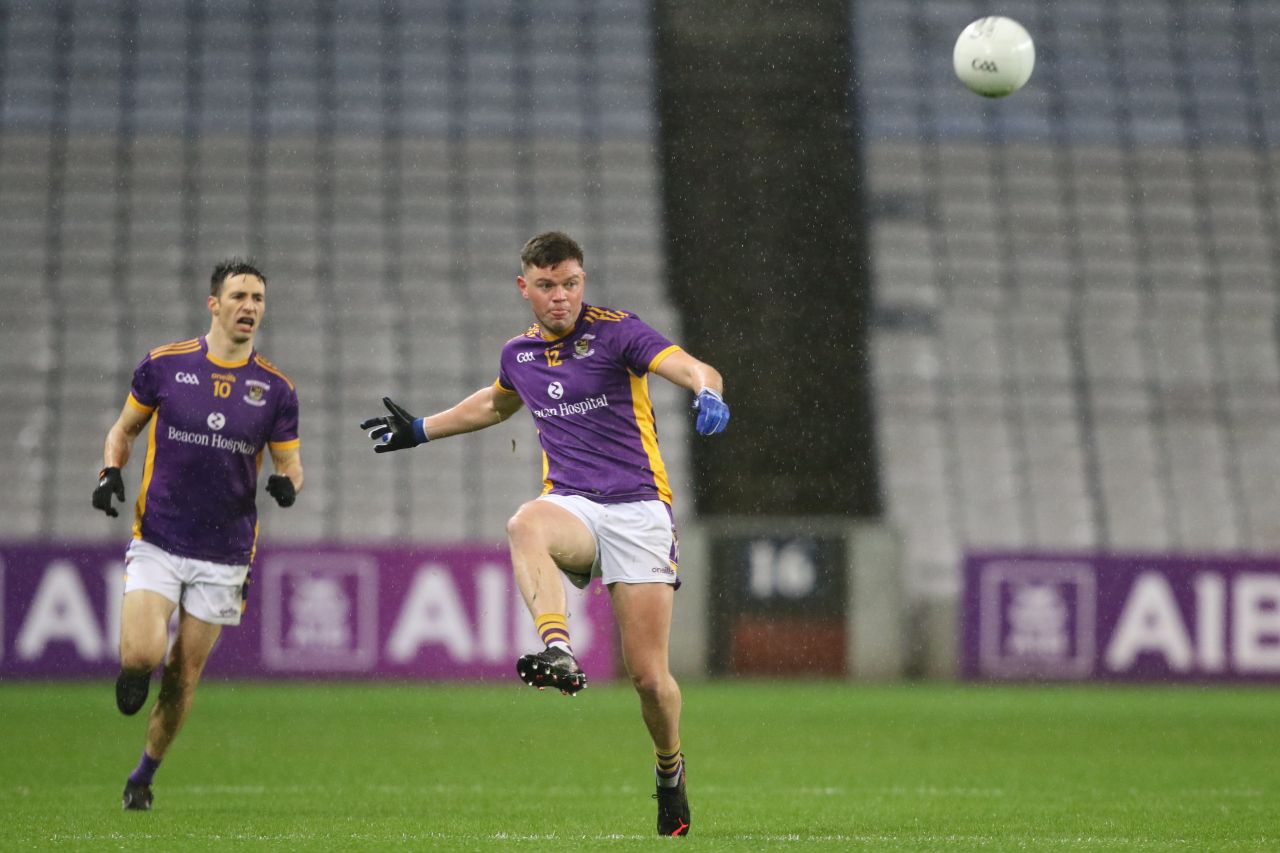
767,251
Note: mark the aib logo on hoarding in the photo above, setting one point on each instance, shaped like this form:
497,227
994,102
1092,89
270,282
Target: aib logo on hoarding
1117,617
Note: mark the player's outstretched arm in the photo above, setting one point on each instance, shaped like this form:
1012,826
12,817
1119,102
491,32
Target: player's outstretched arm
115,455
400,429
704,381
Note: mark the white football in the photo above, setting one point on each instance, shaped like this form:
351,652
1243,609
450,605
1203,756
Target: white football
994,56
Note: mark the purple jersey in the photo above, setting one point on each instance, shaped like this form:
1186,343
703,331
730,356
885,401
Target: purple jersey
211,420
588,392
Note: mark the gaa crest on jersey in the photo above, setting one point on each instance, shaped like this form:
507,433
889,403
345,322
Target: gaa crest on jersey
255,392
582,347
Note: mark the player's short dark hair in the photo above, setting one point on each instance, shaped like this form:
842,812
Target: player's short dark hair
232,267
550,248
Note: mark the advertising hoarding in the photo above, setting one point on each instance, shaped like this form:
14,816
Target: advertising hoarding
314,611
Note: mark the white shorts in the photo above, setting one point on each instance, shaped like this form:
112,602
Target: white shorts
635,542
211,592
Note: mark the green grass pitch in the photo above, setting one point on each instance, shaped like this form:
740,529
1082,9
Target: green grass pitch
772,766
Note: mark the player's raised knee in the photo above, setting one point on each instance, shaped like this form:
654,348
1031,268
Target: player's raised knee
138,658
525,525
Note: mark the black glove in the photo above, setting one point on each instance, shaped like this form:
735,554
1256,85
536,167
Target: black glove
281,488
395,431
109,483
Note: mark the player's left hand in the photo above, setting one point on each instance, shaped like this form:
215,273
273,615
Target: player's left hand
110,483
281,488
713,412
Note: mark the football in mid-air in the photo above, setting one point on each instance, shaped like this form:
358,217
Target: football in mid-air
994,56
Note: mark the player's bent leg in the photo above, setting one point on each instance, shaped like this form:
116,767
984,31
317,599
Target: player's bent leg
643,614
545,541
144,635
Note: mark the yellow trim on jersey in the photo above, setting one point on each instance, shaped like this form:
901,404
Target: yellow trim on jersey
271,368
253,546
148,468
222,363
285,445
542,333
643,408
497,383
178,348
594,313
662,356
547,485
133,401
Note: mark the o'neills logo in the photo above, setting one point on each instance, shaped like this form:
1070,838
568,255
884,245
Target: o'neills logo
565,409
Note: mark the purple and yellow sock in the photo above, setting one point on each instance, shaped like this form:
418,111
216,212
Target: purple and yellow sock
554,630
669,766
145,771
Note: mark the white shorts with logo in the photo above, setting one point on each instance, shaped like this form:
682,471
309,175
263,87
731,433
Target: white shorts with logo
211,592
635,541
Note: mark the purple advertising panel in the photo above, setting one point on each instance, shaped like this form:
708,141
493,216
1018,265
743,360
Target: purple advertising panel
315,611
1120,617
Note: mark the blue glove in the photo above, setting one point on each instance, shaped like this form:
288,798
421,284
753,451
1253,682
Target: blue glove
713,412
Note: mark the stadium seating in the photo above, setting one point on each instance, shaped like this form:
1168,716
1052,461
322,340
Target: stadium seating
383,160
1076,316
